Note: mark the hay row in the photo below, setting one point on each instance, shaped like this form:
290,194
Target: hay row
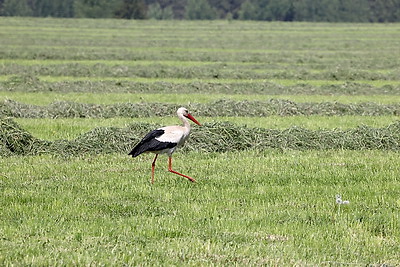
212,137
33,84
228,108
212,70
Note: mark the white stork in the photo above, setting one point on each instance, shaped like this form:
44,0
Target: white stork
166,140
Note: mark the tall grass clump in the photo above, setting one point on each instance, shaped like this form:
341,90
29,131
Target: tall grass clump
16,141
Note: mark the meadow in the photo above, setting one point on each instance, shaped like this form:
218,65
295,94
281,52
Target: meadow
293,115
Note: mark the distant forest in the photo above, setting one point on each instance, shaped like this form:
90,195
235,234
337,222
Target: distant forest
268,10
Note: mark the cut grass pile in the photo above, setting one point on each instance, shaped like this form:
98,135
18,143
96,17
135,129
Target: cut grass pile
223,107
162,85
70,128
212,137
209,71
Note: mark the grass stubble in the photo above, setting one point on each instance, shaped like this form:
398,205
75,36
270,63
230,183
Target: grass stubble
248,207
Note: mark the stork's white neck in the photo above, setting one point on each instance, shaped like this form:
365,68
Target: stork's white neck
185,121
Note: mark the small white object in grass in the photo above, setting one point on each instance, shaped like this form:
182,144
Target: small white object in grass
340,201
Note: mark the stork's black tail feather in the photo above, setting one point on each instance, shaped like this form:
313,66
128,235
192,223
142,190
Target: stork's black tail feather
134,153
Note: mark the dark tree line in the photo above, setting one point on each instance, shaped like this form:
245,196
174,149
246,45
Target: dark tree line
269,10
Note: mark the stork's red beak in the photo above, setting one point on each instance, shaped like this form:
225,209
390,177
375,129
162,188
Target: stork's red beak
190,117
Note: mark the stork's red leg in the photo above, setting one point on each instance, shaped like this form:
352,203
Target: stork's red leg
171,170
153,166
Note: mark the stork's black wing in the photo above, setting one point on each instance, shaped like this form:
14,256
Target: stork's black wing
150,143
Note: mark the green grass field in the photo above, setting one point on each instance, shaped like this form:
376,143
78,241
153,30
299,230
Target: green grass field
249,207
46,98
76,94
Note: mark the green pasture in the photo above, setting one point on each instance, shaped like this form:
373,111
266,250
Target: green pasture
247,208
46,98
252,205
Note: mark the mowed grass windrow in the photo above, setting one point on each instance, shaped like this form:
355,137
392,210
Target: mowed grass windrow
294,115
70,128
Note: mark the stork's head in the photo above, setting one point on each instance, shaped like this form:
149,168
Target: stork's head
185,113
